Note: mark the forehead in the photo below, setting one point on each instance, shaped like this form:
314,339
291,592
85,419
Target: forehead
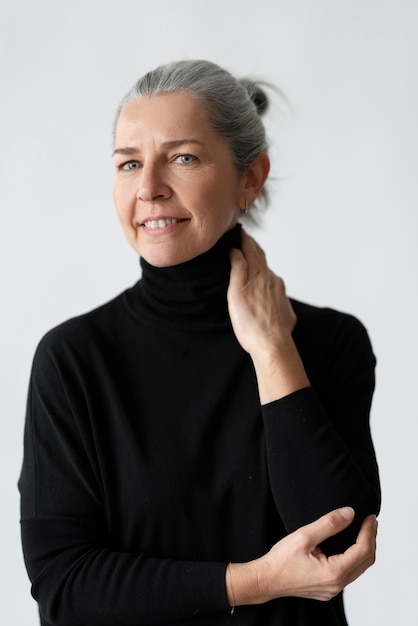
166,115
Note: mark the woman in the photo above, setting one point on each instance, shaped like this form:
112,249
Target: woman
177,433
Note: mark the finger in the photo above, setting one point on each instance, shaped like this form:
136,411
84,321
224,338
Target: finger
362,554
366,539
328,525
352,574
249,244
239,270
368,530
356,568
253,253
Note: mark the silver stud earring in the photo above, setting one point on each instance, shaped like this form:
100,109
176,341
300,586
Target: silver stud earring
245,209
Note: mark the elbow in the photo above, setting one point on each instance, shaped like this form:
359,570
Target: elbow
369,504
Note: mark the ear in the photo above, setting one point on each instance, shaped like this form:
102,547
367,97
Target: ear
254,179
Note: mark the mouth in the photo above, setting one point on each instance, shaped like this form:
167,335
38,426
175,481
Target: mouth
161,223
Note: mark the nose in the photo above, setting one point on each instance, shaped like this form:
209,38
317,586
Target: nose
152,184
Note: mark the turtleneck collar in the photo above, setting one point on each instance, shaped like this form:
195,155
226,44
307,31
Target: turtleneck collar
193,292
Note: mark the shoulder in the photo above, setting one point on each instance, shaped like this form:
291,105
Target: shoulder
82,331
325,334
326,320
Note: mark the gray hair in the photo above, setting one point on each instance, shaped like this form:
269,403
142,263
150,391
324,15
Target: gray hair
234,106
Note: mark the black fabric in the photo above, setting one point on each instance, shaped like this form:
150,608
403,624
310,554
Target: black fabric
149,463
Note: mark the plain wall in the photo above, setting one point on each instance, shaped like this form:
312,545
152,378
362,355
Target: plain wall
341,228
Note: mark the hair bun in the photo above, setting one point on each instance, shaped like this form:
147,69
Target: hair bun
257,95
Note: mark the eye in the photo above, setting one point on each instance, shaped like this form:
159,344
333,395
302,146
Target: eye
130,165
185,159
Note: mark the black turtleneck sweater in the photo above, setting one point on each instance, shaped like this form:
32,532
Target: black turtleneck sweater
149,463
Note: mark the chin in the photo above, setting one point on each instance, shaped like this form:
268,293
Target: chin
162,259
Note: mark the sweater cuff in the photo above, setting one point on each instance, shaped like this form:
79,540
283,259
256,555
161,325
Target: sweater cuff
295,400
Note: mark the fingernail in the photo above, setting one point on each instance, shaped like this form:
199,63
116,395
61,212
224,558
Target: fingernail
347,512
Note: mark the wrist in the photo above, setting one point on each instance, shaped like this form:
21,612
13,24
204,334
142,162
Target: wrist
273,352
249,583
279,371
246,584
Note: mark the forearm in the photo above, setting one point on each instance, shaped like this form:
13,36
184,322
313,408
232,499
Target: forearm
76,581
311,465
311,468
318,458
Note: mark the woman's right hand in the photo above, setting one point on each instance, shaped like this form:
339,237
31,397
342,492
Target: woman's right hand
296,566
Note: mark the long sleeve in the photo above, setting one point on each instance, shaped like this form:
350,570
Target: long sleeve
78,576
149,465
319,447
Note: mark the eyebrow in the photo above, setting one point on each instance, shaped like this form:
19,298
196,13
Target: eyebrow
176,143
125,151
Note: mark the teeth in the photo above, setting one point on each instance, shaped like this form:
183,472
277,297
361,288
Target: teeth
160,223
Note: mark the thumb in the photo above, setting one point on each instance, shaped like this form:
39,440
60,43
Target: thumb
330,524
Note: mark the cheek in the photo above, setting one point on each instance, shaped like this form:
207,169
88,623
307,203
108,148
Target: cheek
116,194
121,202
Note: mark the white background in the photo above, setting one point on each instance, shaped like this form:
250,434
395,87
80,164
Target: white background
341,228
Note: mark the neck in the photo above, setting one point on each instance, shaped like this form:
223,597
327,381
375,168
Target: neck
193,292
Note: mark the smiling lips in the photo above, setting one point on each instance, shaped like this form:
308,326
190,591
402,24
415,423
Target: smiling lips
161,223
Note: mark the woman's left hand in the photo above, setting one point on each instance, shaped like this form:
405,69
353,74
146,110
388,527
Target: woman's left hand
263,320
260,311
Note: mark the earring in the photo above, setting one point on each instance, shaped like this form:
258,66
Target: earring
245,209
